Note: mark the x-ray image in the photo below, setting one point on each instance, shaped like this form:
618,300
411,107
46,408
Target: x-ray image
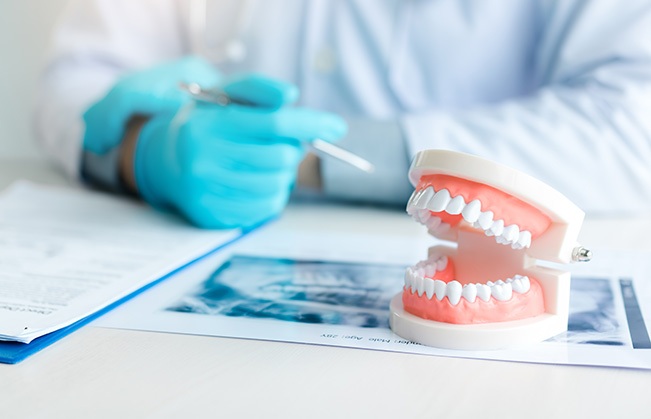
345,303
353,294
358,294
593,319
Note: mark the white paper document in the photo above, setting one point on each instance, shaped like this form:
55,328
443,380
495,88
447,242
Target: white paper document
67,253
334,289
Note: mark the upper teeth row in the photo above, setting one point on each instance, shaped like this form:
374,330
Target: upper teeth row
500,290
425,201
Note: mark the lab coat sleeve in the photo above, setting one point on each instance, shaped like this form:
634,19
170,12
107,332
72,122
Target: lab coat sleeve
96,42
382,143
587,130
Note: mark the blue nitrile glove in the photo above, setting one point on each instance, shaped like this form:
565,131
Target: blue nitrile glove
148,92
230,166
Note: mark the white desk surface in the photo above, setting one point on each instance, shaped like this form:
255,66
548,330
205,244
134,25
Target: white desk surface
98,372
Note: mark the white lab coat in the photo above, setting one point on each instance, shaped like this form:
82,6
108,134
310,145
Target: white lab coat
558,89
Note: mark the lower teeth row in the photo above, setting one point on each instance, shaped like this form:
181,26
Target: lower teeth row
500,290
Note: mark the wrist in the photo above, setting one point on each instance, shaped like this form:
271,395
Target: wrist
127,153
309,173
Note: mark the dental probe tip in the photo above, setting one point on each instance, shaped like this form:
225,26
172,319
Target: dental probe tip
581,254
343,155
193,88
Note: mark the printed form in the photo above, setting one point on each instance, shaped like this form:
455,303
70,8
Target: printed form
67,253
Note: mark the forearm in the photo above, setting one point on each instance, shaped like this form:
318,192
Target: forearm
584,128
593,148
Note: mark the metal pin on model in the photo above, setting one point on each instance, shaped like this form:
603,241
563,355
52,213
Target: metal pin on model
219,97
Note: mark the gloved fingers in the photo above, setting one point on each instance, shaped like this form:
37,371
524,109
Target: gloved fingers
261,91
249,154
216,211
305,124
300,124
244,184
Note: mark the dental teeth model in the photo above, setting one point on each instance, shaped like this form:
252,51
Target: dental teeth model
488,292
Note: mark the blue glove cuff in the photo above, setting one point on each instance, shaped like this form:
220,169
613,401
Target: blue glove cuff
146,155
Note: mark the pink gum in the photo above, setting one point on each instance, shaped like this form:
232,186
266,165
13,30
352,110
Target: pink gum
504,206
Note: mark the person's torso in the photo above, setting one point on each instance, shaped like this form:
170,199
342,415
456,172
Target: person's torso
382,58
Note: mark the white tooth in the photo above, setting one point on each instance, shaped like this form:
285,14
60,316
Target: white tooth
410,204
424,215
469,292
423,199
485,220
414,282
517,286
483,292
490,283
407,277
439,289
430,270
440,201
511,233
496,229
502,292
526,284
431,260
453,292
429,288
525,239
442,263
516,246
420,288
456,205
472,211
499,282
501,240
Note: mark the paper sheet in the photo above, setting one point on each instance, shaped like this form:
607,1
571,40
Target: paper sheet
67,253
330,289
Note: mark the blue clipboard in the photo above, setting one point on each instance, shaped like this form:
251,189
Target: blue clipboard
14,352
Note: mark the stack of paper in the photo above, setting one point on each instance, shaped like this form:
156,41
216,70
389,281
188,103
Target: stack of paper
66,254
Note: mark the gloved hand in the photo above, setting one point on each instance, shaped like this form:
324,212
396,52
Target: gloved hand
221,167
148,92
230,166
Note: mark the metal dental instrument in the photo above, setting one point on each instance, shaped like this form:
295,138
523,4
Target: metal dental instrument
219,97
